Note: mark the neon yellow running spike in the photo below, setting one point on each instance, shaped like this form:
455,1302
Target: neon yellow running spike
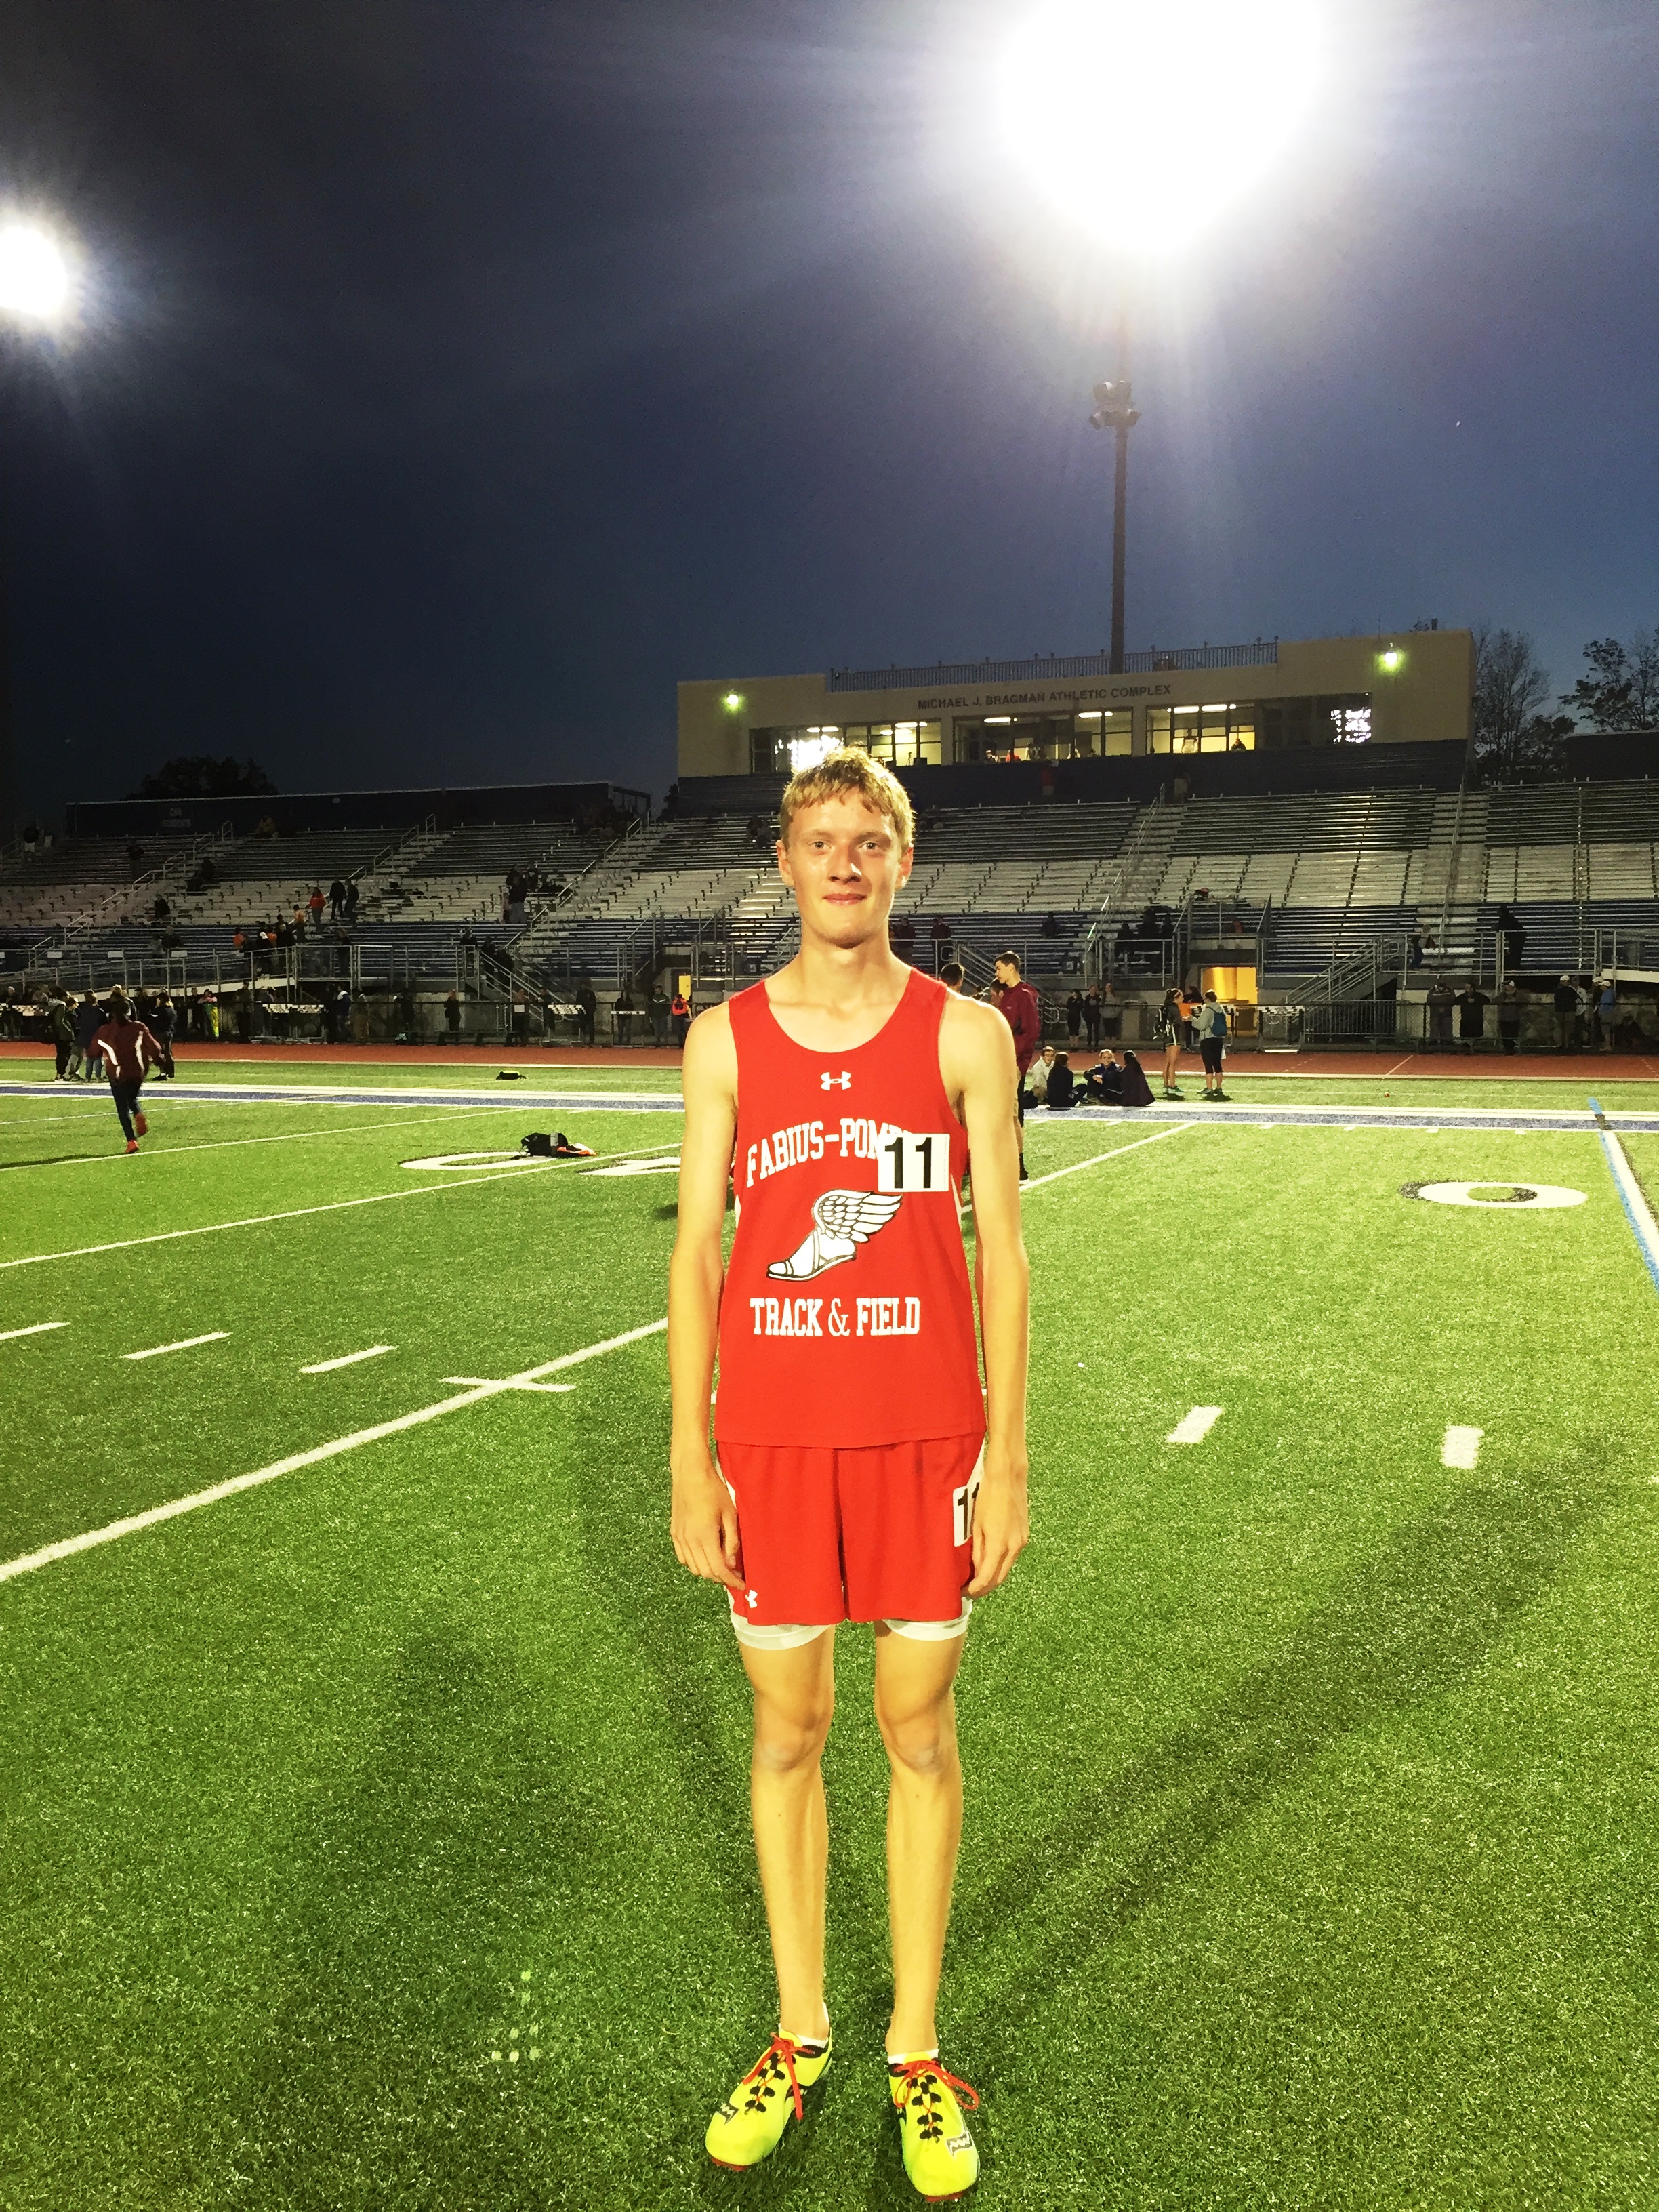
749,2125
940,2156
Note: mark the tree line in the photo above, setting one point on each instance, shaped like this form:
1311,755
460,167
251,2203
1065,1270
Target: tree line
1515,739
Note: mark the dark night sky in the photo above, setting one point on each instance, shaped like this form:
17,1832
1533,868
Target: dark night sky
458,376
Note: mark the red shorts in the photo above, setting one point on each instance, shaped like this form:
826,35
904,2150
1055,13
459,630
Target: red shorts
880,1532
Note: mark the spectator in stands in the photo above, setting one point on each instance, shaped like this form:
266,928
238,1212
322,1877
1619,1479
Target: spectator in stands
60,1031
88,1016
659,1009
902,934
1511,1006
680,1014
1567,1003
1181,790
159,908
1093,1013
359,1019
1073,1017
266,826
1050,926
351,899
587,1007
1439,1003
1414,948
1472,1004
1515,937
452,1016
316,903
1171,1020
1211,1028
1606,1013
135,861
1062,1086
336,899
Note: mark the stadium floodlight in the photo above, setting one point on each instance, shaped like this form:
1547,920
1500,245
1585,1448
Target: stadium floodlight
37,274
733,700
1391,659
1143,119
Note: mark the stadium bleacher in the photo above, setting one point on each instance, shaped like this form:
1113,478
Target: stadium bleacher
1313,878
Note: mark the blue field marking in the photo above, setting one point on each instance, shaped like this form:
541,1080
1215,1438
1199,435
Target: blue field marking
1630,1195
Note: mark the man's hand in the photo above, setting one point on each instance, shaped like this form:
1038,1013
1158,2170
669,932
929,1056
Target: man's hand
1002,1523
704,1523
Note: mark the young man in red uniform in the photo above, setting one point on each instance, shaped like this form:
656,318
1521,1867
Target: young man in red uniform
861,1475
1017,1002
130,1052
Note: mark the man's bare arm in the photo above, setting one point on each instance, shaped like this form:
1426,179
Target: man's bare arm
978,1055
703,1520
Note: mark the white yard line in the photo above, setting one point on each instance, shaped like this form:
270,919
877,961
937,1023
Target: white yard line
350,1359
292,1213
34,1328
1035,1183
1193,1428
185,1343
476,1381
1461,1447
49,1553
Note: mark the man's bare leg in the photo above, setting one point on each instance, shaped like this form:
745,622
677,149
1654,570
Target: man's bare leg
794,1700
915,1711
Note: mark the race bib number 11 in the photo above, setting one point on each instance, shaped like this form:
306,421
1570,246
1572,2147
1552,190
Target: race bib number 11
905,1162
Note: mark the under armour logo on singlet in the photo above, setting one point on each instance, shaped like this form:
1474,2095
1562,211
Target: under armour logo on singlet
845,1079
751,1598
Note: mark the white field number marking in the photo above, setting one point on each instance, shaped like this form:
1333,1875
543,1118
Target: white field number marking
1537,1196
669,1166
185,1343
1461,1447
1193,1428
348,1359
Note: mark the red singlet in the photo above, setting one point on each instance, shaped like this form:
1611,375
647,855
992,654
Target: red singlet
847,1318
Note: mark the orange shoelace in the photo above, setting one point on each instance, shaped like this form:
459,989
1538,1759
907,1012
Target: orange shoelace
916,2072
783,2048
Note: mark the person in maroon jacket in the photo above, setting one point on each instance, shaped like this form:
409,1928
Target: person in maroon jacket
130,1052
1018,1003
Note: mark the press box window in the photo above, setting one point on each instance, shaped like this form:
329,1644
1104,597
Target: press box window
901,745
786,752
1222,727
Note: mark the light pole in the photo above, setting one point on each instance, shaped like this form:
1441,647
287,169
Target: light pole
1114,410
37,294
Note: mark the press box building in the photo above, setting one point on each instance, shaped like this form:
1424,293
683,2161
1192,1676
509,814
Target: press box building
1417,686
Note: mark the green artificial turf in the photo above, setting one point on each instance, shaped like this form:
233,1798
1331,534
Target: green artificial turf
1310,1787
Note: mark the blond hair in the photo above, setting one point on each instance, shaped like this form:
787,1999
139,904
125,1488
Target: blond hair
847,773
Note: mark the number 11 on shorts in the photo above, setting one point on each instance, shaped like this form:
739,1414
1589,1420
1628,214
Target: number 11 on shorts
962,1506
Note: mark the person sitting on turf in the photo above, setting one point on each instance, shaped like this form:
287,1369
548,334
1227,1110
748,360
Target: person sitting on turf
1137,1091
1104,1082
1062,1086
1037,1077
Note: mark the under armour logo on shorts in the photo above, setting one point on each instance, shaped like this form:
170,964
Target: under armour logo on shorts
752,1599
828,1081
